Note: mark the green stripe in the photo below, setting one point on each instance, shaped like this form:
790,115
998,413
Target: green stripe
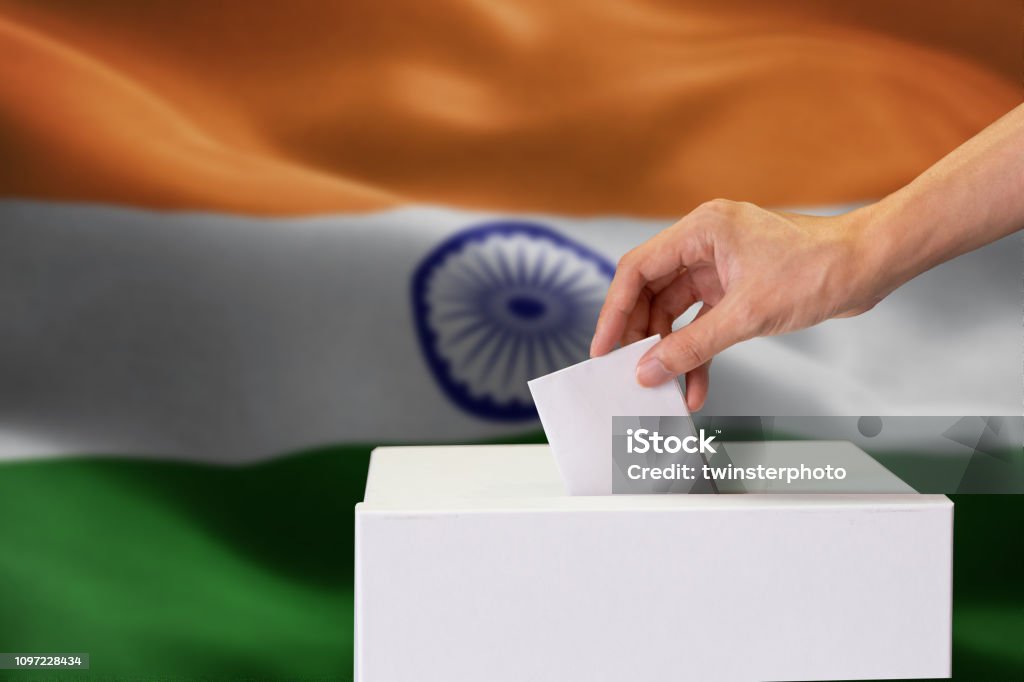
184,571
180,569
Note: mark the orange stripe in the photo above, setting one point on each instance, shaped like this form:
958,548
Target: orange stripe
641,108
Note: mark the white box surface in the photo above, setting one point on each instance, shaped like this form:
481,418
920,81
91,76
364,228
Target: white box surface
473,565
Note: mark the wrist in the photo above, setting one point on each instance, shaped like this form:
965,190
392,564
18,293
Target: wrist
885,253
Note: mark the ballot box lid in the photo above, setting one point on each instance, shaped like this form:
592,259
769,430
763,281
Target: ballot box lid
464,478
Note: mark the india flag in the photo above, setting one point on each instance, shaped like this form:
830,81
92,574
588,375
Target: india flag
241,244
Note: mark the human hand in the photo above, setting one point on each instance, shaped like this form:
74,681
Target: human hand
755,272
759,272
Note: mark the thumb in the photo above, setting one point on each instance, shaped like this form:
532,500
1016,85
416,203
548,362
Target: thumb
693,345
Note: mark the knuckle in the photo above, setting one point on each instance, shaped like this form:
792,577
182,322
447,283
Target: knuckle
687,352
747,318
743,313
717,207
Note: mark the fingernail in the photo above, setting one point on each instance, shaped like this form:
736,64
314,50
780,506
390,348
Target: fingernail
652,372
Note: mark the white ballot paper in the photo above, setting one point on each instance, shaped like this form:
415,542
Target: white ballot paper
576,406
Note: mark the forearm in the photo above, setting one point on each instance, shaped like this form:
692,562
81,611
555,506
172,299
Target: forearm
971,197
759,272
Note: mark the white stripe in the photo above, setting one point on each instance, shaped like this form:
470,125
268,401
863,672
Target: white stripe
231,339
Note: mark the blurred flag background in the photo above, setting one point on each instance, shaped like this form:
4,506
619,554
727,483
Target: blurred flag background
240,244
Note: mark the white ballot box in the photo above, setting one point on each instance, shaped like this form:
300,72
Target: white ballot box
474,565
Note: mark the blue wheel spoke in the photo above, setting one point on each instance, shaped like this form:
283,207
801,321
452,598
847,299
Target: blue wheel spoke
468,331
478,279
520,266
489,365
485,266
480,345
562,287
516,340
531,358
506,270
458,315
538,268
555,272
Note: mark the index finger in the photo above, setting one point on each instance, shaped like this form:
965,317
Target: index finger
668,251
